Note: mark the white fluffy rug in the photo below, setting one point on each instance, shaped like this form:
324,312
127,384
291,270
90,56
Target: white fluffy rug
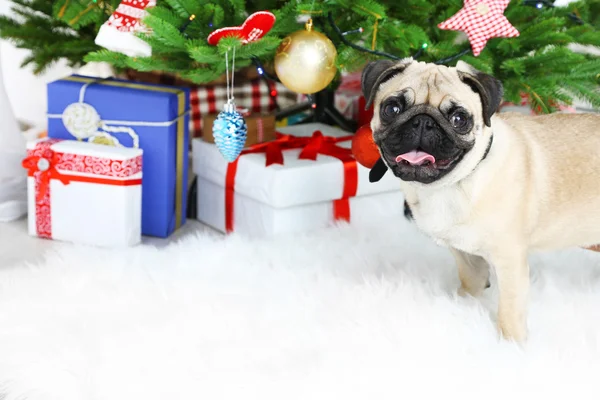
363,313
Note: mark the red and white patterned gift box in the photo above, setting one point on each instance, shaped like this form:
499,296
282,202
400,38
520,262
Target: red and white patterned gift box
84,192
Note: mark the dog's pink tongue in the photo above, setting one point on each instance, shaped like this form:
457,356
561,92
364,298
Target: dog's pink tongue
416,157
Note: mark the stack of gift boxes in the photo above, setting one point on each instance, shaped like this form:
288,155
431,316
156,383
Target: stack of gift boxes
114,164
114,167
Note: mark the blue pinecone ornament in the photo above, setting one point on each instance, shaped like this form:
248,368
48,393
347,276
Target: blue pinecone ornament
230,132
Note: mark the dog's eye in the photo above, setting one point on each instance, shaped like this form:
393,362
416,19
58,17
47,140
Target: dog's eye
392,109
459,119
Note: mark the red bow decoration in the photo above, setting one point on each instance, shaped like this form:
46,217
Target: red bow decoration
311,148
326,145
43,167
313,145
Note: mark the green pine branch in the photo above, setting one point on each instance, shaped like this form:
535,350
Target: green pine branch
166,32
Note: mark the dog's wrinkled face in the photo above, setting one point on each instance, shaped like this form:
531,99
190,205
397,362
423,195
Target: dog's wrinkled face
428,118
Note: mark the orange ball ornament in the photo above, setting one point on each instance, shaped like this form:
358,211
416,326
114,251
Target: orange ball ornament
364,148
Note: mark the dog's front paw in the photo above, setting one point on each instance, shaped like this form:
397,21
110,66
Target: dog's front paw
465,291
516,332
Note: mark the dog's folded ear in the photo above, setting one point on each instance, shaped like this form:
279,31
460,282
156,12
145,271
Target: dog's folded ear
377,72
490,89
378,171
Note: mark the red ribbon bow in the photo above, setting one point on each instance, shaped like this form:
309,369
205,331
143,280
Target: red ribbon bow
311,148
44,167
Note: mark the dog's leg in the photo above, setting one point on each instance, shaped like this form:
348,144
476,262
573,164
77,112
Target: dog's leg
474,273
512,271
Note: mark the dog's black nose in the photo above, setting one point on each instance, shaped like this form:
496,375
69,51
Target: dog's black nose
425,122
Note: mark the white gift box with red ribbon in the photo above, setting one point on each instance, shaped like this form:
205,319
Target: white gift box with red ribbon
311,182
84,192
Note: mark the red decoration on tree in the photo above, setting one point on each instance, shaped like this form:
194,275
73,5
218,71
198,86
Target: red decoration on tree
118,33
364,149
481,20
255,27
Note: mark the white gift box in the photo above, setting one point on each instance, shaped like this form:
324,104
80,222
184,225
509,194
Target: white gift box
84,193
298,196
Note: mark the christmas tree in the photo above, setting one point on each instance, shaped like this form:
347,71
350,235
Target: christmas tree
540,62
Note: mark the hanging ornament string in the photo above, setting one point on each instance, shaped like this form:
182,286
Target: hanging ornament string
227,94
230,87
229,129
232,74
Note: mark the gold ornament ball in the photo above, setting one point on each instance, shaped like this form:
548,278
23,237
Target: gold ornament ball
305,61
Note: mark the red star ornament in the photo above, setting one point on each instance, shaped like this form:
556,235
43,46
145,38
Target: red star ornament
481,20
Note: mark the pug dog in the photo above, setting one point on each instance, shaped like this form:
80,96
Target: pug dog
492,187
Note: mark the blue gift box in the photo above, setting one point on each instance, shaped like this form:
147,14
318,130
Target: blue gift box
119,112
